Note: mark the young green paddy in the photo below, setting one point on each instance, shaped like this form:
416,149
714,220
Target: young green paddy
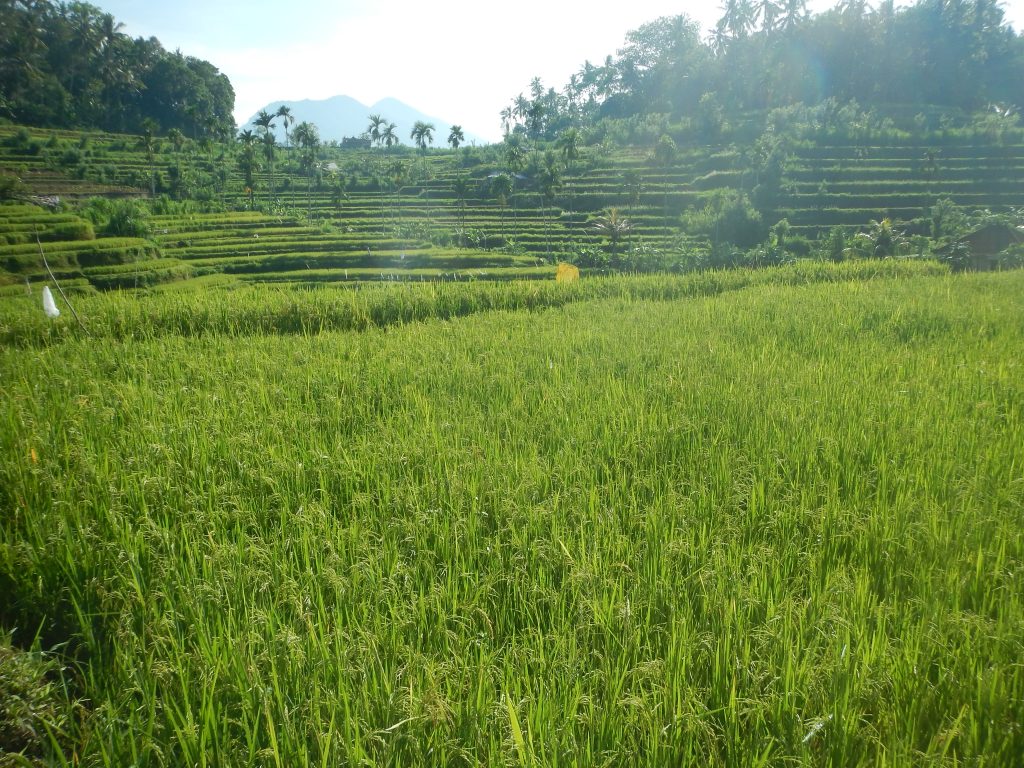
776,526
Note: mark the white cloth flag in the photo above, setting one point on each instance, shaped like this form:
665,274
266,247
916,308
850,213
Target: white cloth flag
49,306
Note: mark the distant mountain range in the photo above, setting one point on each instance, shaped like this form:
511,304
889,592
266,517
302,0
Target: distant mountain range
342,116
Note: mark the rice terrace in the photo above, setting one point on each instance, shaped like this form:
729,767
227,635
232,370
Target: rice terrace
680,425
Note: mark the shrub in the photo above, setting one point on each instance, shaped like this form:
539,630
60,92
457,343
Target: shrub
19,140
119,218
728,217
1012,258
71,157
74,230
10,186
32,707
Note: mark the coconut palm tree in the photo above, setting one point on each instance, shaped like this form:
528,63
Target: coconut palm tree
664,156
285,113
520,107
389,136
375,132
881,240
612,226
456,137
794,13
374,128
501,187
461,189
423,134
569,145
308,138
549,179
737,18
248,163
269,145
719,39
149,145
768,11
398,174
514,153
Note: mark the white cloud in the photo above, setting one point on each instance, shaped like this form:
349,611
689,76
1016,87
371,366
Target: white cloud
464,66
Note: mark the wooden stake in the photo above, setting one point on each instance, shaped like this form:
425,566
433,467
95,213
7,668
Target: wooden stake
62,294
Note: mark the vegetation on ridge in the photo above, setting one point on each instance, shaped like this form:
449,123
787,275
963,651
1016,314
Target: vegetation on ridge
68,65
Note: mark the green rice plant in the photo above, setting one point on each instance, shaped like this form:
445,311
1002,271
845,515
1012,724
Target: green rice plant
268,310
768,518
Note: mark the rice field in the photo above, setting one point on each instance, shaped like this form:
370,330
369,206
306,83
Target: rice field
771,518
444,215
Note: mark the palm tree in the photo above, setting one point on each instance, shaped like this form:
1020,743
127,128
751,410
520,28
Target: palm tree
339,189
389,136
719,39
383,134
285,113
612,226
377,130
535,119
398,173
665,155
269,144
308,138
374,129
569,145
264,122
456,137
550,180
514,153
501,188
461,186
148,143
423,134
769,12
520,107
248,163
737,18
634,185
794,13
461,189
881,240
607,77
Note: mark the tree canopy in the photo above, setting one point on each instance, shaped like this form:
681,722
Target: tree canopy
68,65
949,54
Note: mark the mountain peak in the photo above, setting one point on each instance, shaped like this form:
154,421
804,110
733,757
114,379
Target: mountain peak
342,116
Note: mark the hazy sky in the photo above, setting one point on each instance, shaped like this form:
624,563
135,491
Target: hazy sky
461,62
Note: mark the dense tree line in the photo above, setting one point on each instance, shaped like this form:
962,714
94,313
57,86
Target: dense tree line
67,65
763,54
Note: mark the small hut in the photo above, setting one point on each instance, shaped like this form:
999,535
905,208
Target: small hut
984,244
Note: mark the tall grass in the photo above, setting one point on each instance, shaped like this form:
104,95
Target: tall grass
766,527
264,309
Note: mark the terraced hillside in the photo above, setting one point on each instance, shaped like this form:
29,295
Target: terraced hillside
399,215
848,185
